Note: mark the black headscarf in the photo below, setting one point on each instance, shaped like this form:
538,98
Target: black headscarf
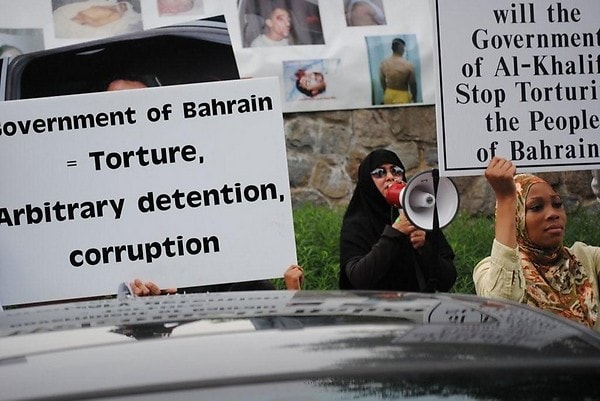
368,211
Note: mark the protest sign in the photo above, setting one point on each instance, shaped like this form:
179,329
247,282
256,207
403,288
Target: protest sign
518,80
185,185
344,42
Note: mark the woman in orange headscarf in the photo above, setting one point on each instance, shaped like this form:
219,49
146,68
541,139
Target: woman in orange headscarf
529,262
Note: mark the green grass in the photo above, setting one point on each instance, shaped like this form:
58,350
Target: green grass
317,232
471,239
317,243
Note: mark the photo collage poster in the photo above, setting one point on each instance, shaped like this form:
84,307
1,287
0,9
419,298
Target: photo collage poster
328,55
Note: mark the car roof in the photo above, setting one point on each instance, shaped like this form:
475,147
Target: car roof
143,346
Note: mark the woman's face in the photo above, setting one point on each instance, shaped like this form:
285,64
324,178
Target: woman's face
385,175
545,217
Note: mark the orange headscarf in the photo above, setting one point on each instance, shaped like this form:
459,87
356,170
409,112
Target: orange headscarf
554,278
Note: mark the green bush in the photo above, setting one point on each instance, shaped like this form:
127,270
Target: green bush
317,231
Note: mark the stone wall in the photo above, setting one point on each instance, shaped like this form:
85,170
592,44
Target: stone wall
325,149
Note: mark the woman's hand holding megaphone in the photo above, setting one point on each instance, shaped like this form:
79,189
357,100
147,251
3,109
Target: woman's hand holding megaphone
418,238
416,235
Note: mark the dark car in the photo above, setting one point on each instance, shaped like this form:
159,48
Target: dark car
286,345
193,52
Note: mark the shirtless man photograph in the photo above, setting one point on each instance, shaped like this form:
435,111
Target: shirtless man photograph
397,76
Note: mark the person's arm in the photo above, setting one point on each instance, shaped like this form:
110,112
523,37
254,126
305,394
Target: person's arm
595,260
397,242
596,185
382,79
499,174
500,275
437,257
412,85
366,271
293,277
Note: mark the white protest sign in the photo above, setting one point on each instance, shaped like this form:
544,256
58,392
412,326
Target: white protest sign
518,80
184,185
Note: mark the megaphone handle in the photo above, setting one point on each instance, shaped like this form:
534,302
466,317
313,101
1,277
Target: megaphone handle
435,173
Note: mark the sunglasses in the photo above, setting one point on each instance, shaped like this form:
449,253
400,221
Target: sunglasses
381,172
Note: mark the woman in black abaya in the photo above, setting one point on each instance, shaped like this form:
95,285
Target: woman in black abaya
380,249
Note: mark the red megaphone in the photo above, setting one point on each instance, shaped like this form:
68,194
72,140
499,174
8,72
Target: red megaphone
394,194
